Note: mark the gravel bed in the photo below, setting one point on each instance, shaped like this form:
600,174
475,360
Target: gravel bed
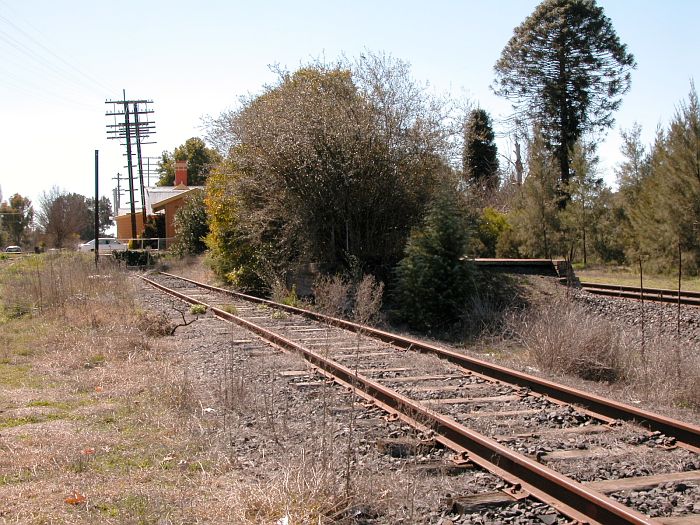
660,319
264,419
641,462
666,500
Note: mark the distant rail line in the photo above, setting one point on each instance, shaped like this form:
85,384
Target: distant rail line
558,268
662,295
489,415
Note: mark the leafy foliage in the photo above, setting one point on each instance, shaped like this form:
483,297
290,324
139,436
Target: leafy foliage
200,161
434,279
191,225
536,221
666,205
231,255
104,217
566,69
329,163
16,216
491,226
63,217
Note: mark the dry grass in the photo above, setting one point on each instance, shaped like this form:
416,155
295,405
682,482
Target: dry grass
368,299
332,295
189,266
340,297
563,337
98,421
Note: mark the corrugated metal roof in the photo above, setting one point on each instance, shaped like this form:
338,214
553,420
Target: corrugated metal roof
156,194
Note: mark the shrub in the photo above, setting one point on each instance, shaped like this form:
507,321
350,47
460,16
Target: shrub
368,300
136,257
191,226
434,279
492,225
198,309
359,298
332,295
563,337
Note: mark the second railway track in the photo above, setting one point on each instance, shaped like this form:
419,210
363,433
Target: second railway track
545,440
662,295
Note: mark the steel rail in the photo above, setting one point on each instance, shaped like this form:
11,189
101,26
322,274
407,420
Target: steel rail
684,432
665,295
482,450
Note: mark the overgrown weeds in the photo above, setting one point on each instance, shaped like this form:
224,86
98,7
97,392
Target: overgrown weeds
359,299
563,337
120,410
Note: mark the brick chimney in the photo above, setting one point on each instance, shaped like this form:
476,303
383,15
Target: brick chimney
180,172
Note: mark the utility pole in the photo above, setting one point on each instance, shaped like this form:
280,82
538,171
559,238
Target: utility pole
97,210
128,132
152,164
118,193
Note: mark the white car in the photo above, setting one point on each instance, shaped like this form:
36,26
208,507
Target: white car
107,244
13,249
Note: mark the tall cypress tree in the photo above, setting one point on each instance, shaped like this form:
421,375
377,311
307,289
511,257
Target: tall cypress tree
480,154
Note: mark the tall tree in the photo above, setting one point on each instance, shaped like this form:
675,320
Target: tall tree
16,215
200,161
635,164
63,216
565,68
585,187
667,209
104,216
480,154
536,218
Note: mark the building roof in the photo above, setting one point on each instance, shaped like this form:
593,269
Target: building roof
156,195
181,195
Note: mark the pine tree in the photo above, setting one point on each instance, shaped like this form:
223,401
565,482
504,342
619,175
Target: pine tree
536,218
434,279
565,68
480,154
667,210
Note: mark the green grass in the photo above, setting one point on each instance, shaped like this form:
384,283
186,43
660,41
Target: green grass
49,404
21,476
198,309
626,277
229,308
11,422
17,376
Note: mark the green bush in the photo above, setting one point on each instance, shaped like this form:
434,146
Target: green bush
136,257
492,225
434,279
198,309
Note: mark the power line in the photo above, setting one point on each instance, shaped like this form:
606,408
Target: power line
130,127
27,50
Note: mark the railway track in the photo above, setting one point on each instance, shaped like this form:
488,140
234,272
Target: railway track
528,431
663,295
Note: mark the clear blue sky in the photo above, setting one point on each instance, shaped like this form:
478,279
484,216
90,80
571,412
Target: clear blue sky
62,59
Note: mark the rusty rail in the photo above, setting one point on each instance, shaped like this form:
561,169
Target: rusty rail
664,295
570,497
684,432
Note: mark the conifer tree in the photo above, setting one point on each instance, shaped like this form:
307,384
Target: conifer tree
565,68
480,154
434,279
